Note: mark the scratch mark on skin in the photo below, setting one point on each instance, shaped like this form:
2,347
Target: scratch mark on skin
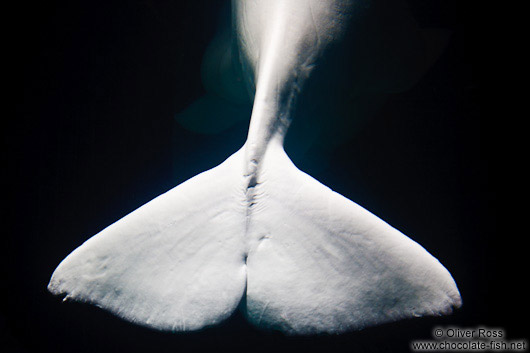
263,311
314,23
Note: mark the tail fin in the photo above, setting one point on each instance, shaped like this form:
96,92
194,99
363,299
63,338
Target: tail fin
324,264
175,264
311,260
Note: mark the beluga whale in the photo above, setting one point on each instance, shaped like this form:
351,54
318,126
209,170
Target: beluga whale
256,233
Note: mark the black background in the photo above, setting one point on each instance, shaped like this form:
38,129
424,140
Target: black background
98,84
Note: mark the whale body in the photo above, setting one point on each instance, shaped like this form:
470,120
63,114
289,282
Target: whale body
255,232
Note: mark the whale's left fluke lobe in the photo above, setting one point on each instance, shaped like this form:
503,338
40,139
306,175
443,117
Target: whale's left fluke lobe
323,264
176,263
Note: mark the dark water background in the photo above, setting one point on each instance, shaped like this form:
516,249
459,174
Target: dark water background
99,85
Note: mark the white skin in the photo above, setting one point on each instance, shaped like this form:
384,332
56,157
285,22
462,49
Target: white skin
280,43
306,259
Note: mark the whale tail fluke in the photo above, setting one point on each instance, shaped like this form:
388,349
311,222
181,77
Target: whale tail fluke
173,264
325,264
307,259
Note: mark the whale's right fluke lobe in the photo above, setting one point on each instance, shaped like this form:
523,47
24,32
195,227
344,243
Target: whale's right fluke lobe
174,264
325,264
